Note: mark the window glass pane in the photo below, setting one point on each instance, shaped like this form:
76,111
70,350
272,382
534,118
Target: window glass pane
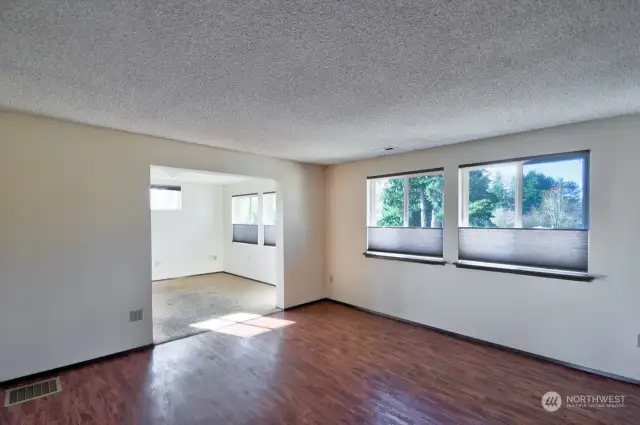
244,209
491,195
388,202
253,214
425,201
552,194
269,209
168,200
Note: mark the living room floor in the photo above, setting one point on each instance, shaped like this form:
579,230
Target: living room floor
323,363
180,306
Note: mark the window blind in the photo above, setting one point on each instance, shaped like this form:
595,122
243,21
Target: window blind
543,248
405,240
269,235
245,233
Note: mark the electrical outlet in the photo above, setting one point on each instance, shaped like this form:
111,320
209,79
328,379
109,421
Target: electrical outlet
213,257
135,315
331,279
156,264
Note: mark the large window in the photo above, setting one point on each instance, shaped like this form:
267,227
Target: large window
269,218
405,214
165,198
244,213
529,212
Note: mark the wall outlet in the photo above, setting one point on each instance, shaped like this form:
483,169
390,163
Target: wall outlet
156,264
213,257
135,315
331,279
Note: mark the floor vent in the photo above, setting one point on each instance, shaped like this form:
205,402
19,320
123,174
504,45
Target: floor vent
30,392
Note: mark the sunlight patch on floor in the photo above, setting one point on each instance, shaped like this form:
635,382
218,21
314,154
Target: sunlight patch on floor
243,325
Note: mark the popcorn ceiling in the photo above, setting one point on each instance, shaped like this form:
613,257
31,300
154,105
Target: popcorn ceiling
323,81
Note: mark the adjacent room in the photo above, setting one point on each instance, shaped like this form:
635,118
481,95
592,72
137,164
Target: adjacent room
415,212
213,249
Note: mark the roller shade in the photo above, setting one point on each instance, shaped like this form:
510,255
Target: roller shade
405,240
245,233
544,248
269,235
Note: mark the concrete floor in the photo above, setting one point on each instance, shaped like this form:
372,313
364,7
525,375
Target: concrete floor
180,303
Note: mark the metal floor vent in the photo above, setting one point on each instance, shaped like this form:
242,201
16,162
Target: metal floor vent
30,392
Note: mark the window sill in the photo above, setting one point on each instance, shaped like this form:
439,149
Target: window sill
405,257
523,270
245,243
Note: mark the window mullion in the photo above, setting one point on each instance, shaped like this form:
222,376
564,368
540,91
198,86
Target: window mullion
406,201
518,195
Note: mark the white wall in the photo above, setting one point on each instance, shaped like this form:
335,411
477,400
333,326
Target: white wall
257,262
593,324
189,241
75,244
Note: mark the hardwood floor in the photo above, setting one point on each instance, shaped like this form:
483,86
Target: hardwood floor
333,365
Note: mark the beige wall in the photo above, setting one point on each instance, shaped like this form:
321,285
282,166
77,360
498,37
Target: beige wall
75,248
595,325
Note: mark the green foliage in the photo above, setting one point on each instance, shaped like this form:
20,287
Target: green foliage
533,188
425,202
392,203
546,202
481,201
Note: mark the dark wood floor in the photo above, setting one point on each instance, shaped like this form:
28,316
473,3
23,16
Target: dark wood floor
334,365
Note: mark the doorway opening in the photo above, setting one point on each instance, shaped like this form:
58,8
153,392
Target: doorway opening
213,249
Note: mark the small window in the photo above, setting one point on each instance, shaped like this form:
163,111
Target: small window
244,216
269,218
530,212
405,214
165,198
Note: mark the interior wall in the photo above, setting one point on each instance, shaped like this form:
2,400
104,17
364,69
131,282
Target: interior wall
593,325
256,262
189,241
75,250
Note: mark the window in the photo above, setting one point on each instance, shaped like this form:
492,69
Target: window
405,214
269,218
245,209
244,216
165,198
530,212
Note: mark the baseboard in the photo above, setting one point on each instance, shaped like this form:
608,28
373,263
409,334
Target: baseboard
188,275
309,303
47,373
494,345
248,278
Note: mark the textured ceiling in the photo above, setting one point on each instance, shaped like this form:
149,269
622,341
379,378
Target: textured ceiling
322,81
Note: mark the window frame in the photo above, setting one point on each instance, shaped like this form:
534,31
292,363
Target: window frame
164,187
371,199
465,169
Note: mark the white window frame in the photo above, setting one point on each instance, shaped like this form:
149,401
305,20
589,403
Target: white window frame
463,201
371,201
